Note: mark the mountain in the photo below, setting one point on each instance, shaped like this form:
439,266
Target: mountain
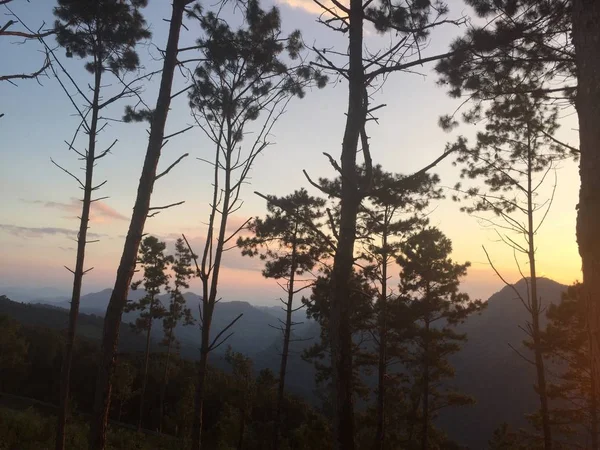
493,373
31,294
486,368
56,318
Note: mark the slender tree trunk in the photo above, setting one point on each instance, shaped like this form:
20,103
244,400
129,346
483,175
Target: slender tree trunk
425,430
210,297
118,299
535,309
120,410
65,378
286,345
199,395
163,390
339,322
586,39
382,363
145,378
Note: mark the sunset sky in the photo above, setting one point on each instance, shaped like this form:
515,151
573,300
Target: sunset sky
40,203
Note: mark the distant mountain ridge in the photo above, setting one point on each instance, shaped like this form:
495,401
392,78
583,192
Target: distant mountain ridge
486,368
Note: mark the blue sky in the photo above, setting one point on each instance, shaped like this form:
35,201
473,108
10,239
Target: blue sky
40,202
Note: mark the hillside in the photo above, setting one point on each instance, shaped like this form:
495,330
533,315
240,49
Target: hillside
487,368
490,371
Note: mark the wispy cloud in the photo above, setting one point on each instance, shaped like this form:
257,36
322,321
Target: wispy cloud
100,212
40,232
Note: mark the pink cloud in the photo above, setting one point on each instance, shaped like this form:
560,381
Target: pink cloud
100,211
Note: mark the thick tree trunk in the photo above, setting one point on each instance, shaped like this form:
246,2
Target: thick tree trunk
65,377
586,38
286,346
118,299
339,321
145,378
535,309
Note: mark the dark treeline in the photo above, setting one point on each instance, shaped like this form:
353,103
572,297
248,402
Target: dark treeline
360,256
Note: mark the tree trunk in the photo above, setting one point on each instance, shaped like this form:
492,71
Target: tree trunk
339,322
145,379
118,299
382,363
286,345
65,377
535,309
586,39
209,297
163,390
199,395
594,413
425,430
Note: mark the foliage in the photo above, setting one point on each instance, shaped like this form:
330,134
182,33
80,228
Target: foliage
155,278
105,30
566,341
183,272
429,285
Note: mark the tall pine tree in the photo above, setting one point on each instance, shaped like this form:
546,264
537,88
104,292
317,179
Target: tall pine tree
291,249
430,286
104,34
155,279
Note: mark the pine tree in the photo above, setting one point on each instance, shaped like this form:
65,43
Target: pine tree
290,249
155,264
586,35
318,307
513,156
546,48
430,285
104,34
243,84
390,213
177,311
407,24
125,271
566,340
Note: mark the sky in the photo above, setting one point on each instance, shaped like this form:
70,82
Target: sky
40,203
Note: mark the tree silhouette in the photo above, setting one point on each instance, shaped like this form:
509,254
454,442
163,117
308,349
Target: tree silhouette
243,84
430,285
586,31
513,155
290,249
177,311
103,34
385,218
566,340
155,264
407,24
156,141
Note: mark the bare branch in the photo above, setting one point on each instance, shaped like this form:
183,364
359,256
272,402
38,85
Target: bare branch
168,169
212,345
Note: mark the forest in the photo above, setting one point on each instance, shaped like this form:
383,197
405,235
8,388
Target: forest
376,342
